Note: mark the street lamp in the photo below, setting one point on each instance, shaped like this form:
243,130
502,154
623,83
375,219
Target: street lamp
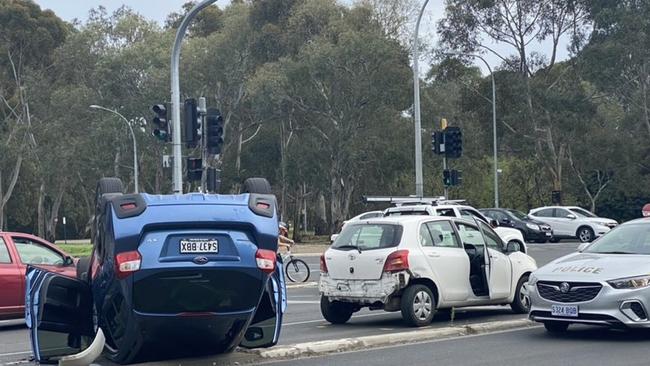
419,185
494,124
135,145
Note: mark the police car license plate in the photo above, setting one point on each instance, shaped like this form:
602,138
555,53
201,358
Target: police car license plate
564,310
193,246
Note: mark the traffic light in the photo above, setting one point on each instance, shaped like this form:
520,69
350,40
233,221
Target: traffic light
194,169
453,142
213,180
456,177
162,128
214,131
191,123
438,142
452,177
446,177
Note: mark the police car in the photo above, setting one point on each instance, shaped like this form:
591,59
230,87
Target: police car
605,283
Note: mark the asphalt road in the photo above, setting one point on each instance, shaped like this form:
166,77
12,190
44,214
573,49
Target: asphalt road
581,346
304,323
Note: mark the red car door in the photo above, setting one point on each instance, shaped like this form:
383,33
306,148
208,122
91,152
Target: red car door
12,292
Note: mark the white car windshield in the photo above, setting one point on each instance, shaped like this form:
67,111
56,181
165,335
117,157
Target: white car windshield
368,237
582,213
626,239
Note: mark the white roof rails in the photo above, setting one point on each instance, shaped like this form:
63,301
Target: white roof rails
411,200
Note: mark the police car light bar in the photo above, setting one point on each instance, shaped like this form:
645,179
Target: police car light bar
411,200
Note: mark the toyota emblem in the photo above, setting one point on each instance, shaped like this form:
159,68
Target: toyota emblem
200,259
564,287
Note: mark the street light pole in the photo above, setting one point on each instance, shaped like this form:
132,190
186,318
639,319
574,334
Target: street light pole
135,145
419,185
176,94
494,124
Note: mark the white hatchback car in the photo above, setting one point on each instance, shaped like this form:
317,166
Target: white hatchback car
573,222
418,264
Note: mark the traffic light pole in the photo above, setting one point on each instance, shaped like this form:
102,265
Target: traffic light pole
444,167
204,156
419,184
176,95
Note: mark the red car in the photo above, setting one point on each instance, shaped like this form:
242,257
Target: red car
17,250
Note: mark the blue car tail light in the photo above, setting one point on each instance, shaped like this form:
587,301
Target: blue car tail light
127,263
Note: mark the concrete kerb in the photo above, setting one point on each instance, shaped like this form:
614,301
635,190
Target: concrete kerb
302,285
312,349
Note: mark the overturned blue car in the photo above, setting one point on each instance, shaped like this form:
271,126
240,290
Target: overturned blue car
169,276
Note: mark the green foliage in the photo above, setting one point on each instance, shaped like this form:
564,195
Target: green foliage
317,98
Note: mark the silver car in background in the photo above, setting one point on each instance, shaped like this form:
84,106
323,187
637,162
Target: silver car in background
569,222
606,282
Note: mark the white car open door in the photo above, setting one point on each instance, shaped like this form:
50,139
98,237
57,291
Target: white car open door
497,264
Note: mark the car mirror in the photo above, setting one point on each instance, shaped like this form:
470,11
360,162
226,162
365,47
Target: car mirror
513,247
571,216
68,261
494,223
583,246
333,237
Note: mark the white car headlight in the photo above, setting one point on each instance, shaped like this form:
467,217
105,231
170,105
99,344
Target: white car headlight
630,282
532,280
533,226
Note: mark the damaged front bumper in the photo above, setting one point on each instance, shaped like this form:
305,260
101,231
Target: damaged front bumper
363,292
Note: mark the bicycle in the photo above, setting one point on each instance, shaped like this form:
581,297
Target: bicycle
295,269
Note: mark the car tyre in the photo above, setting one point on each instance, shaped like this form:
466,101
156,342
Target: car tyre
104,186
257,185
335,312
555,240
556,327
585,234
418,305
83,267
521,302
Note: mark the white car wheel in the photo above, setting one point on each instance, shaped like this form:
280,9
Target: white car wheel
418,305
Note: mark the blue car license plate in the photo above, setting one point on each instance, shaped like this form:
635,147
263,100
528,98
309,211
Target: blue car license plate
564,310
194,246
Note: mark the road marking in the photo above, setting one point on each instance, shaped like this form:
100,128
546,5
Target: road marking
323,320
303,302
12,322
15,353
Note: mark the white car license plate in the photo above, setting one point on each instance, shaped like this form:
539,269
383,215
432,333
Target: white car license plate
194,246
548,234
564,310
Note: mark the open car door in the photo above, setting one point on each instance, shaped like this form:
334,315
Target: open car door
58,312
264,330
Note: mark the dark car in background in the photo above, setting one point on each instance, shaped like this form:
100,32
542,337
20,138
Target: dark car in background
169,276
533,230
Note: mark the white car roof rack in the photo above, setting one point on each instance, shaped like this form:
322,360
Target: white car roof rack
412,200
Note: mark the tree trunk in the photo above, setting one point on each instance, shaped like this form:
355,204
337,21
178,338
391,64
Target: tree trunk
6,195
644,87
320,215
40,216
297,235
52,219
116,163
